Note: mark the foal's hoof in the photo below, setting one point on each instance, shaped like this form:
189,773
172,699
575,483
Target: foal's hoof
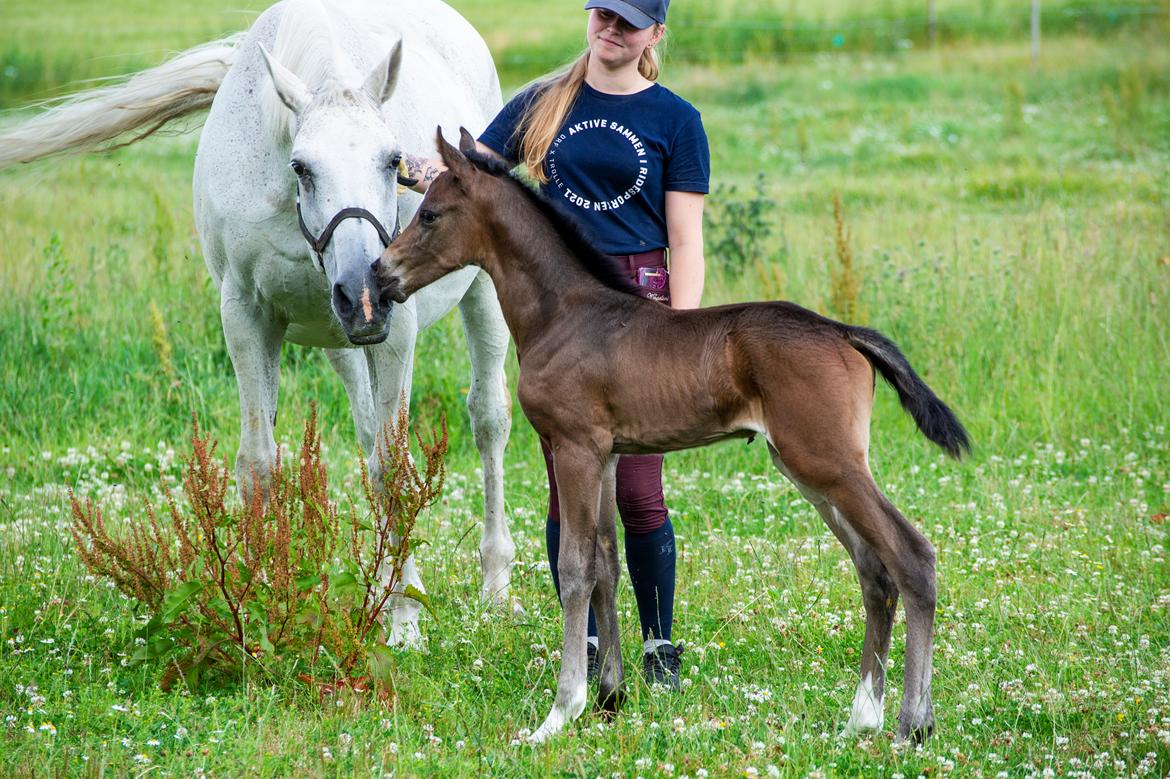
609,702
914,733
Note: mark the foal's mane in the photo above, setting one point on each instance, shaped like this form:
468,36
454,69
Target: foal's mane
601,266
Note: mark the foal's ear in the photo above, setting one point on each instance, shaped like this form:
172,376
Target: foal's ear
291,90
454,159
466,142
380,83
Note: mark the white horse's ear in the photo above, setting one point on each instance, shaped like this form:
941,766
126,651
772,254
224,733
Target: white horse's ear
292,91
382,80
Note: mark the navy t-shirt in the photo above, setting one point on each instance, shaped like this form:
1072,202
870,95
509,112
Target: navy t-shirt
614,160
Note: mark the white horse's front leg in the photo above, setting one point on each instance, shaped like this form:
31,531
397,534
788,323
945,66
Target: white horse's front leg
390,365
351,366
404,613
578,476
253,343
489,405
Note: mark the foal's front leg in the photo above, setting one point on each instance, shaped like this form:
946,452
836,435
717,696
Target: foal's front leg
609,649
578,474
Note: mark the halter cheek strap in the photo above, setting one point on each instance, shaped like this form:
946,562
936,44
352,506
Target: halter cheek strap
318,244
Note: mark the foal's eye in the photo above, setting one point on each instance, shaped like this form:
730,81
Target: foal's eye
298,168
427,217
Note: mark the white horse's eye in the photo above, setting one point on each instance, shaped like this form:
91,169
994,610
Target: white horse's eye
395,161
298,168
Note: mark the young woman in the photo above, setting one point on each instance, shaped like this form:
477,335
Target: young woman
628,159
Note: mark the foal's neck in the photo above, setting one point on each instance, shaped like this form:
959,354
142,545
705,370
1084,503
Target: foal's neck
540,276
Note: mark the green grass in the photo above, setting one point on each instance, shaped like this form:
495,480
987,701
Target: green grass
1012,229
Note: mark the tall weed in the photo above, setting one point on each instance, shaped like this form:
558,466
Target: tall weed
235,587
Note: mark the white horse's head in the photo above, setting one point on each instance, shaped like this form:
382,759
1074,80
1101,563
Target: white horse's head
345,159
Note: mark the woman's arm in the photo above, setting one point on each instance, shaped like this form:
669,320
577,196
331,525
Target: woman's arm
424,170
421,170
684,230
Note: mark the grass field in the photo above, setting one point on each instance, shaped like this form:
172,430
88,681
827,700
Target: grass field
1011,229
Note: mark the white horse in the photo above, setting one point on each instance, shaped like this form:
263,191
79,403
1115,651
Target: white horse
301,147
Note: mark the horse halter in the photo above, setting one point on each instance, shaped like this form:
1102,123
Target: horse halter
318,243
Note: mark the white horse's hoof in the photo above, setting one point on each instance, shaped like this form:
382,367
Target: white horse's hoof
552,725
405,635
560,716
493,598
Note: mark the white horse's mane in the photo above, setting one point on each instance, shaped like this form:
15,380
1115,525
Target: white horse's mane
306,44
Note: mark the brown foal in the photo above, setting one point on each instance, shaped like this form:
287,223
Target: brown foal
604,372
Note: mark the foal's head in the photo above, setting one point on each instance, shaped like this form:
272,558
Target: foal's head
344,156
451,229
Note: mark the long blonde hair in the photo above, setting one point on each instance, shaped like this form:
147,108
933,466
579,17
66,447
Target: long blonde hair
539,124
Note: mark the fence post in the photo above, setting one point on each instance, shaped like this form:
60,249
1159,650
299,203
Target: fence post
1035,32
932,22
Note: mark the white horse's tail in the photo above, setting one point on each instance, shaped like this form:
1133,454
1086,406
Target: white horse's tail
142,104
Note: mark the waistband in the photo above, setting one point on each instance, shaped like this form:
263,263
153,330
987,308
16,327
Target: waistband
655,258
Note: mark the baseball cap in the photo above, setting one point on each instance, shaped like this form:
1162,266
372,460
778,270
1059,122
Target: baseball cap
639,13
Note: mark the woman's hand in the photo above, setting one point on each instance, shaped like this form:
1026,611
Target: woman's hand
421,171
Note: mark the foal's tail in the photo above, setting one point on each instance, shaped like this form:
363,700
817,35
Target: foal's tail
141,104
933,417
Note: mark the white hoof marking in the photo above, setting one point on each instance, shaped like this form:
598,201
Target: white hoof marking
868,714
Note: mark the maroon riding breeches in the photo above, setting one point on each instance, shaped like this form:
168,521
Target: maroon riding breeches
639,476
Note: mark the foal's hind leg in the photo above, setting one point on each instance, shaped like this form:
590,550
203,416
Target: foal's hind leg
855,507
880,595
910,559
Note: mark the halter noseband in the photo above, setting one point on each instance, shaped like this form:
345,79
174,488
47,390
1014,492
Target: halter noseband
319,243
